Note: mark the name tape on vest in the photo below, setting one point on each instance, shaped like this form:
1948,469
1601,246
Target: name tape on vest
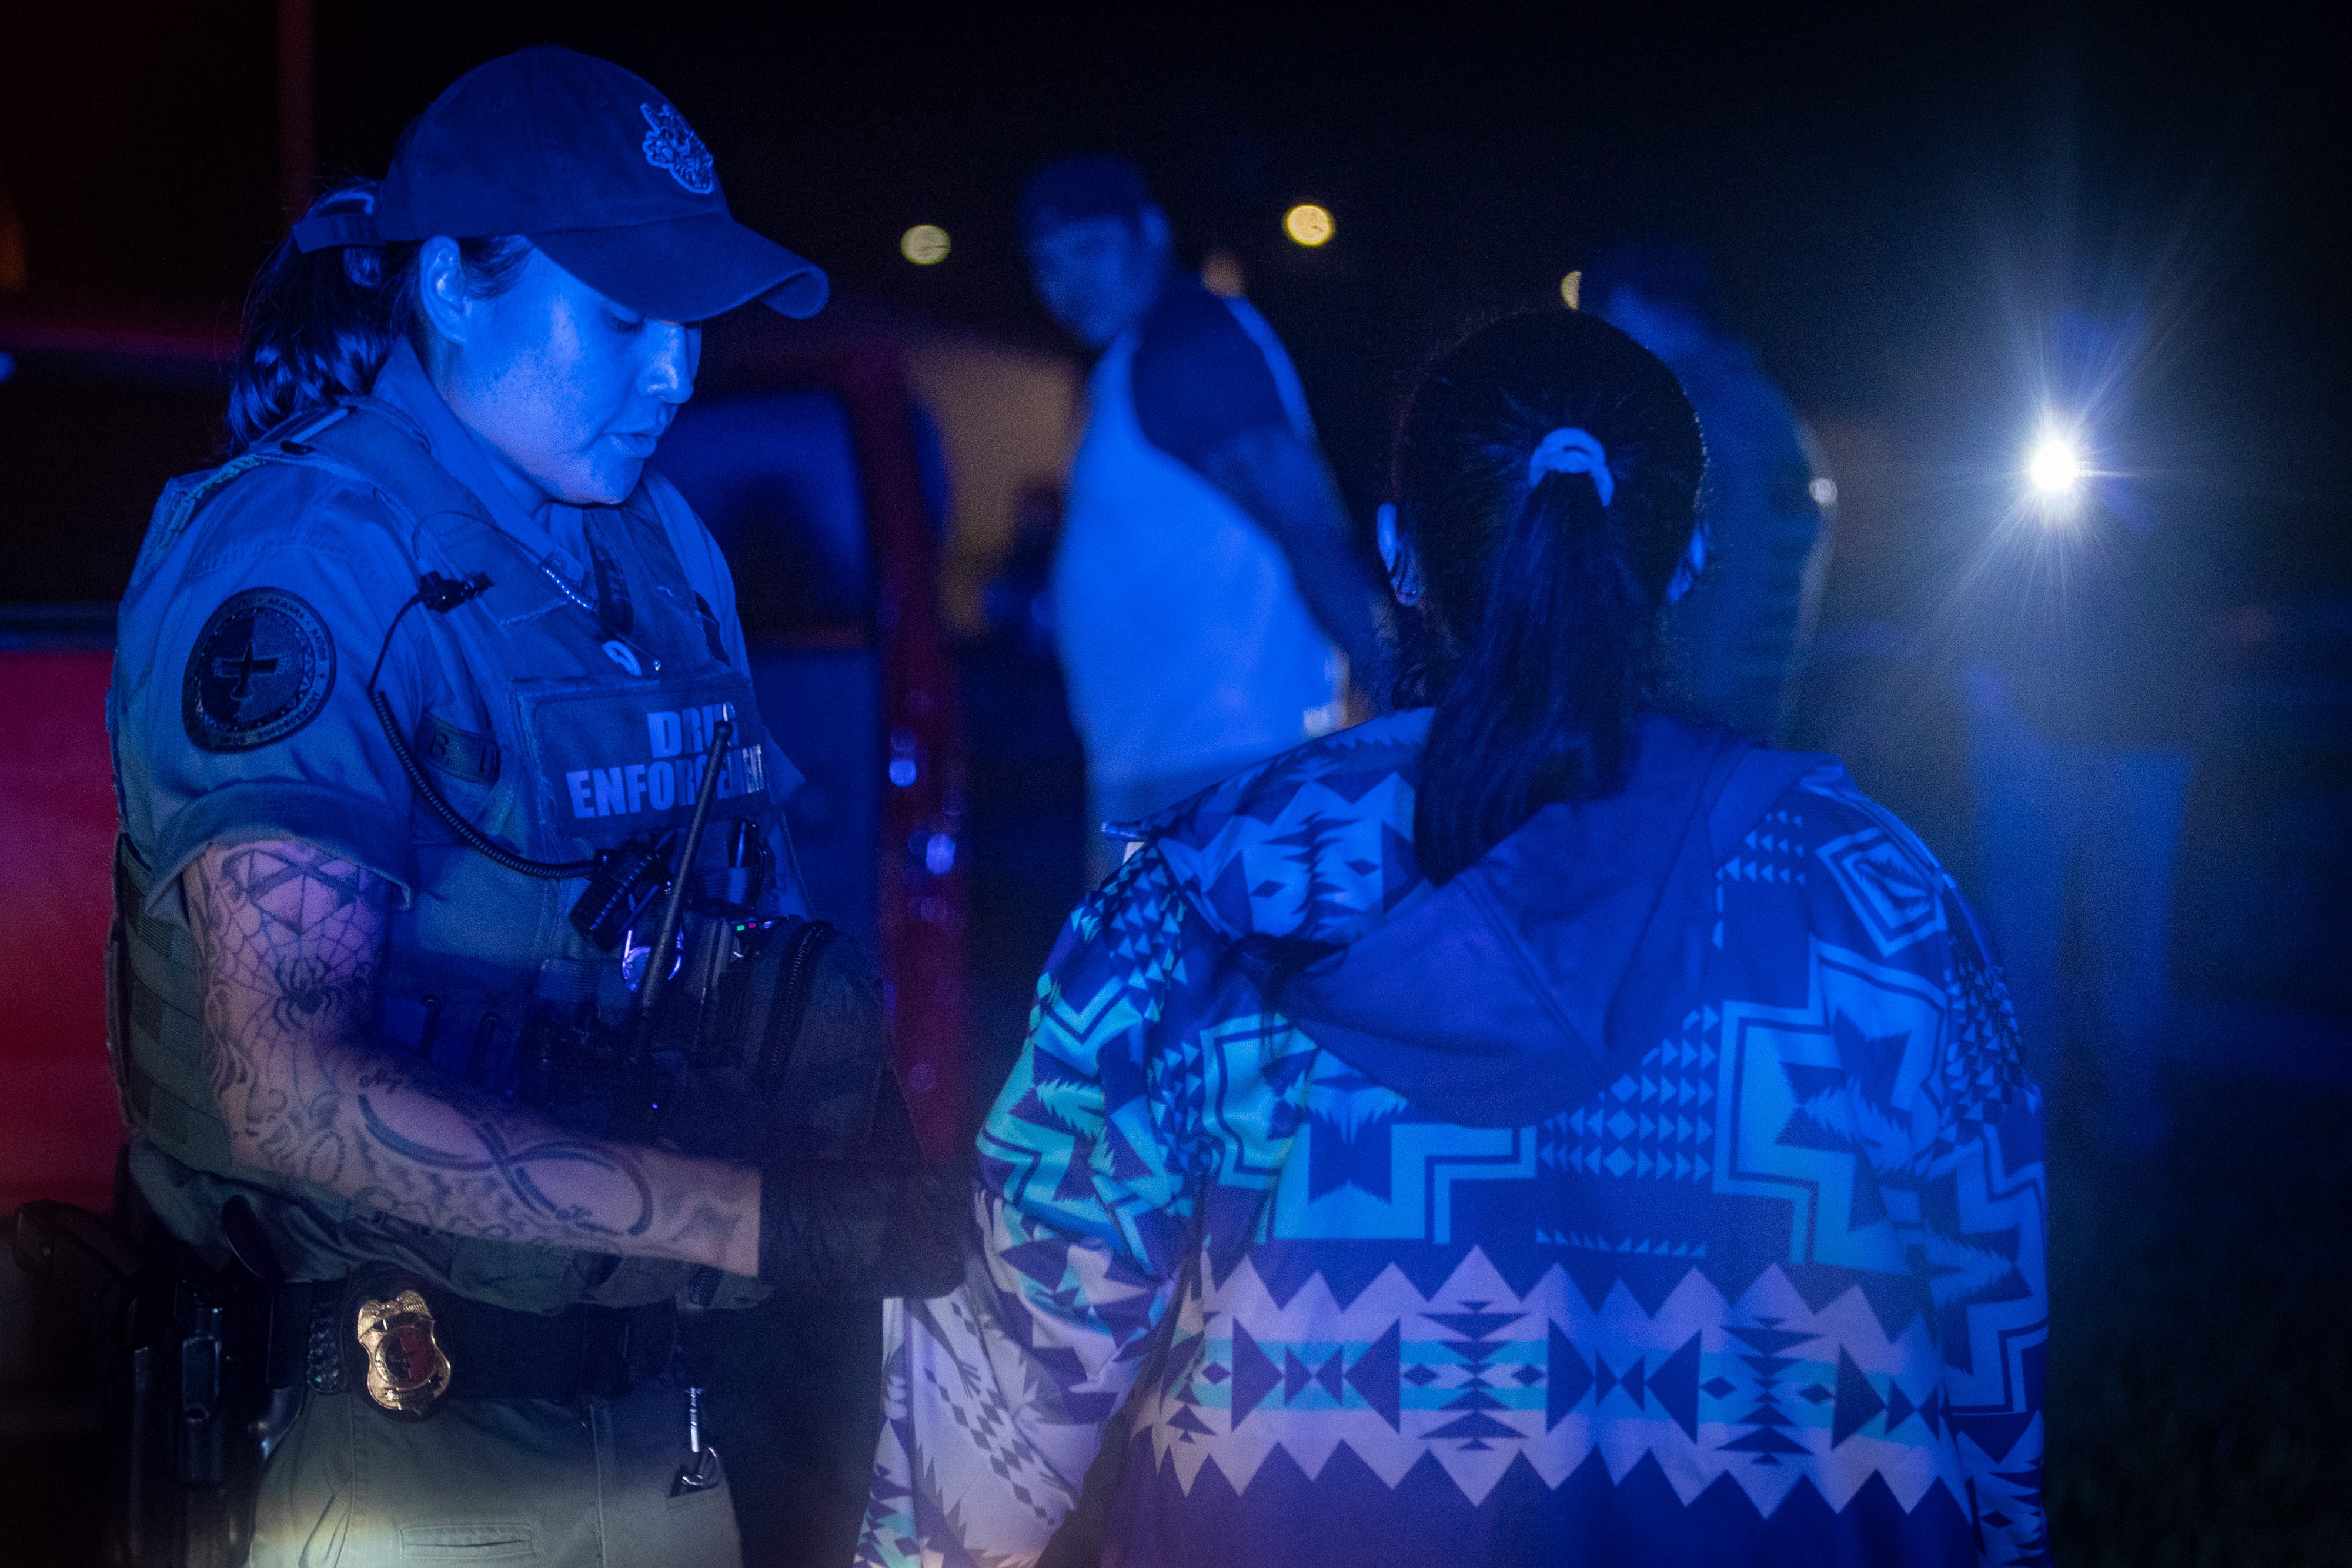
677,740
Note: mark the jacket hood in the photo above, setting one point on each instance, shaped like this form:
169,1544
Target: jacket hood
1530,980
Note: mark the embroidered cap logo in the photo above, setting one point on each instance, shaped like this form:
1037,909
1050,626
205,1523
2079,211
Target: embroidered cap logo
673,146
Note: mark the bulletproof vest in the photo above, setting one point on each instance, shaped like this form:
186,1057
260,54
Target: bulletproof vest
577,722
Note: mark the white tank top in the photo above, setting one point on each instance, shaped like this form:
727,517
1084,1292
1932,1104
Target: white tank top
1185,644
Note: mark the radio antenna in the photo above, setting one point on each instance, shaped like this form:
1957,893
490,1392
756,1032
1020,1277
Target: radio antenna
657,960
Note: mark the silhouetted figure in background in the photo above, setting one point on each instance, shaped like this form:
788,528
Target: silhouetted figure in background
2083,699
1206,588
1734,641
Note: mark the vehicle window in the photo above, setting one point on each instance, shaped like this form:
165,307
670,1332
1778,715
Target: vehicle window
774,476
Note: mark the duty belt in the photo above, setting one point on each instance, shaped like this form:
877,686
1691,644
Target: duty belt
407,1344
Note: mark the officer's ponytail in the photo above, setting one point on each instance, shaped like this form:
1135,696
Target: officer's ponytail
1543,573
320,324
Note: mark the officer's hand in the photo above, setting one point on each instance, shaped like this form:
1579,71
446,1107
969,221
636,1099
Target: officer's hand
858,1231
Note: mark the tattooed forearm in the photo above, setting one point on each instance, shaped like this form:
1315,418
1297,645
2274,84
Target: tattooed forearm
513,1166
291,939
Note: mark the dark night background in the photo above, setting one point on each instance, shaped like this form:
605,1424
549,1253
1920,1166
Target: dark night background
1899,200
1895,198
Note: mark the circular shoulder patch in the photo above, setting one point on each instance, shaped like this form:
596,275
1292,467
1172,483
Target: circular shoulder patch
262,668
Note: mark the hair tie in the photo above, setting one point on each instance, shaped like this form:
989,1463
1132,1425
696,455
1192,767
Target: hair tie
1569,450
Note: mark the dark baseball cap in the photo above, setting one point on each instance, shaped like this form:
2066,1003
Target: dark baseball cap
594,167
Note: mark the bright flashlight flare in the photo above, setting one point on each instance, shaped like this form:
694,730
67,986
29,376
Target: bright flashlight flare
2055,467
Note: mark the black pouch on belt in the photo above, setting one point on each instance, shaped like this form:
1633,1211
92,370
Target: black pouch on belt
186,1401
794,1061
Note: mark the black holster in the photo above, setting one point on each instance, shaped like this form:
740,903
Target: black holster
188,1407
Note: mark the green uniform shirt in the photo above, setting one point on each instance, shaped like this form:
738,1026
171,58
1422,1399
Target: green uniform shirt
563,711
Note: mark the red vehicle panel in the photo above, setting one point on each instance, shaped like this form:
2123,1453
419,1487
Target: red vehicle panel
61,1124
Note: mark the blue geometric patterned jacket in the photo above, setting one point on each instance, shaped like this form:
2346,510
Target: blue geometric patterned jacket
1664,1188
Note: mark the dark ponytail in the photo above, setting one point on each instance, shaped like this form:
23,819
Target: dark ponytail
1537,639
319,325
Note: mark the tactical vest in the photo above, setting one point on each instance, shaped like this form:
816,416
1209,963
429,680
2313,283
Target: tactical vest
581,731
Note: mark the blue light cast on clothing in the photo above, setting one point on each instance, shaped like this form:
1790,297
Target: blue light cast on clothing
1665,1187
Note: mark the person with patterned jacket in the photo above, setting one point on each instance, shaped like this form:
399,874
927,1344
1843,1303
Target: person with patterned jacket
1523,1128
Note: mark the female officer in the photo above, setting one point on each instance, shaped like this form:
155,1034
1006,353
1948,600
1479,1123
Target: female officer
388,682
1523,1129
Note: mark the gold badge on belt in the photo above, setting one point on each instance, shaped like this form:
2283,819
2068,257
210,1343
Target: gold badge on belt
407,1372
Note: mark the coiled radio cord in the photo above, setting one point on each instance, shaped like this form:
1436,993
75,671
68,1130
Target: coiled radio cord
442,594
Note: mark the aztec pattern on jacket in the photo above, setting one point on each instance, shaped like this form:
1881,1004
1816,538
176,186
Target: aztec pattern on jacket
1774,1294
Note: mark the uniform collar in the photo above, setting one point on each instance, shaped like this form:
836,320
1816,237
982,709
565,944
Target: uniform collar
551,529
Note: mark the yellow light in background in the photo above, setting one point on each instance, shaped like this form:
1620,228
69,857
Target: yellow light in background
1571,290
1221,273
1307,224
925,244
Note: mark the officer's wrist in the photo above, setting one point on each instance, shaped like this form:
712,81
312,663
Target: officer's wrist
742,1243
713,1210
857,1231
